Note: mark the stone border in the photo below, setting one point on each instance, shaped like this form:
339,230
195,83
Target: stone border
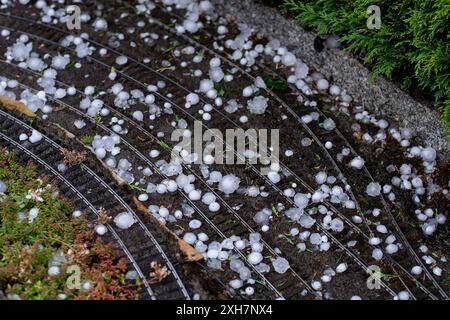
383,97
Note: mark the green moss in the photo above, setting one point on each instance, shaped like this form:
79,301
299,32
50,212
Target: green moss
26,248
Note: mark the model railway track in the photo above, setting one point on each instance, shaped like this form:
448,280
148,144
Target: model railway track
189,91
138,243
222,229
341,245
226,58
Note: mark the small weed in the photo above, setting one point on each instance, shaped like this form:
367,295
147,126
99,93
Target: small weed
173,46
275,85
136,188
219,89
164,145
87,140
73,157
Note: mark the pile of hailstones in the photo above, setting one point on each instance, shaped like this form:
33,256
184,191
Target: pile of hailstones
246,54
106,147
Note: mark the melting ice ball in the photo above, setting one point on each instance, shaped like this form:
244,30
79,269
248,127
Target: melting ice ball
124,220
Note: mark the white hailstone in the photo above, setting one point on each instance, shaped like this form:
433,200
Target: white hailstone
382,228
214,207
161,188
138,115
316,285
171,186
121,60
195,224
100,24
373,189
86,286
328,145
416,270
207,117
257,105
390,239
428,154
32,214
357,219
3,187
100,153
307,118
257,247
90,90
259,83
20,51
23,137
35,136
190,237
321,177
403,295
437,271
247,91
337,225
143,197
77,213
35,64
335,90
131,275
60,62
355,298
391,248
212,253
240,244
342,267
222,30
208,198
5,33
441,219
315,238
60,93
214,62
192,99
195,195
280,265
383,124
100,229
206,85
288,59
202,237
357,163
306,221
229,184
255,258
216,74
71,91
249,291
317,196
322,84
124,220
329,124
428,228
53,271
236,284
274,177
154,153
163,212
377,254
265,228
